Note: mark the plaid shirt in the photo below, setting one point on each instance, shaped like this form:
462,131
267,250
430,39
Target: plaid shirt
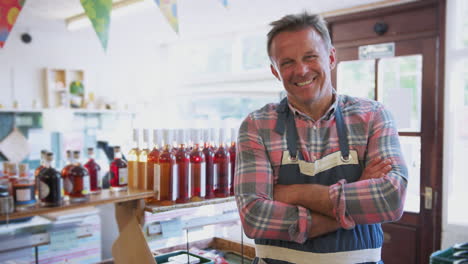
371,132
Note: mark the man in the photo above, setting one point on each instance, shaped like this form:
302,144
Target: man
317,173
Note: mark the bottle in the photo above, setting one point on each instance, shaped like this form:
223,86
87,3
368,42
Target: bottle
24,189
38,169
132,159
153,173
80,180
42,164
67,183
183,165
232,154
221,167
209,159
143,162
94,170
118,172
197,168
50,182
168,167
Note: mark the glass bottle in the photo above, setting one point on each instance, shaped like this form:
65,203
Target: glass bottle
24,189
183,163
80,180
67,183
168,167
232,154
153,173
50,182
197,168
221,167
143,162
132,159
118,172
209,158
94,170
38,169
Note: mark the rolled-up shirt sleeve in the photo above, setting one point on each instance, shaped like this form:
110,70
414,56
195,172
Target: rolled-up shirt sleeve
375,200
261,216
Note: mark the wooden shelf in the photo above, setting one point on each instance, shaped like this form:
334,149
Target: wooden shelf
105,197
158,209
73,110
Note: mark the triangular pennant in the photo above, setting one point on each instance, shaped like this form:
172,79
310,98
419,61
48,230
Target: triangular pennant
9,11
169,10
224,2
98,12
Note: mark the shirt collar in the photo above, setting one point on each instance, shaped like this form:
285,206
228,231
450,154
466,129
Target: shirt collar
328,114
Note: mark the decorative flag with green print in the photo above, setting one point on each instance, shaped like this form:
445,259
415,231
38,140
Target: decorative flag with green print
169,10
98,12
224,2
9,11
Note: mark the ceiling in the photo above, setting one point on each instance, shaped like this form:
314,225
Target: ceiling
195,16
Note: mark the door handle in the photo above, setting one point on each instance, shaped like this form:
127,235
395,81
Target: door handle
427,198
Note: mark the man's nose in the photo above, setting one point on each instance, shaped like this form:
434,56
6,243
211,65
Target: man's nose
301,68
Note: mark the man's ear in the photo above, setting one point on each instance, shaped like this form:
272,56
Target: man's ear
332,58
275,72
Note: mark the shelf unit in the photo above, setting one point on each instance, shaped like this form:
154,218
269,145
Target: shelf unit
105,197
58,86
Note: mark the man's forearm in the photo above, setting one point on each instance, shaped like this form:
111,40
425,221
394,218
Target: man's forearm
321,225
315,197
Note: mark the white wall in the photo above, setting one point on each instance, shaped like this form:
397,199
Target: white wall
127,72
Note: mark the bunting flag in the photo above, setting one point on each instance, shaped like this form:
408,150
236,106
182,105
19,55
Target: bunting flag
98,12
9,11
224,2
169,10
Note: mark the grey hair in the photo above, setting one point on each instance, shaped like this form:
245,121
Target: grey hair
298,22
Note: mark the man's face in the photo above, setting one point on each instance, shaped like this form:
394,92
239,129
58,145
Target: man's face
301,61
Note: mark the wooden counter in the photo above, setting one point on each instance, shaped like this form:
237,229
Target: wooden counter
105,197
157,209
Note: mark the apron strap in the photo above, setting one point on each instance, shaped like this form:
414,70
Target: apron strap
342,133
286,123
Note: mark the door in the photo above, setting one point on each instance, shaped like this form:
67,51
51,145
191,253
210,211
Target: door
406,82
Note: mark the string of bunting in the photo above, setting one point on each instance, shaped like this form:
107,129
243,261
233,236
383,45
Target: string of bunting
98,12
9,12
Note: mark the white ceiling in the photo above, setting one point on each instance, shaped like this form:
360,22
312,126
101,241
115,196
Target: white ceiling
196,17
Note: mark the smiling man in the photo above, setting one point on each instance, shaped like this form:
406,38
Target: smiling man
318,172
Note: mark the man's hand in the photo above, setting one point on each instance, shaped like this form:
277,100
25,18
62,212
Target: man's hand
377,168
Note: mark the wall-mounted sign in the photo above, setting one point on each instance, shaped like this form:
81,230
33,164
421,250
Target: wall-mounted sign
377,51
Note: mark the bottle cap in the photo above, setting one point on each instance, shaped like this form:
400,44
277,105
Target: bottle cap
181,138
136,135
233,134
157,137
146,136
167,137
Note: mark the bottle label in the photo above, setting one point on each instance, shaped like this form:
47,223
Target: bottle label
215,176
175,180
203,179
99,179
23,195
68,185
123,176
228,181
157,181
86,185
44,190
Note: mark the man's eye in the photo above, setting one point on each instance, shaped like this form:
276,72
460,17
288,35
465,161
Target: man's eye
311,57
286,63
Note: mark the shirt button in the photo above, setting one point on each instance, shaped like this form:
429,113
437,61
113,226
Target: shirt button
315,127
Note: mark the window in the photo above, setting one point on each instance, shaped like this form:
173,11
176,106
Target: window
456,113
